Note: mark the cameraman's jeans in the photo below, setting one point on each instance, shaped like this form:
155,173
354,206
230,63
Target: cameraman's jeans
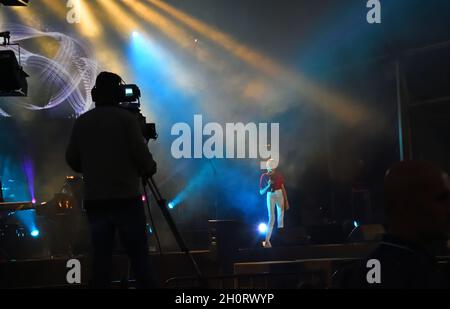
127,217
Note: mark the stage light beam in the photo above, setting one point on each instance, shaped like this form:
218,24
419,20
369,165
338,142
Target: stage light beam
123,22
179,35
342,107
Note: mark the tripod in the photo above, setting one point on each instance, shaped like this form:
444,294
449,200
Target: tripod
162,203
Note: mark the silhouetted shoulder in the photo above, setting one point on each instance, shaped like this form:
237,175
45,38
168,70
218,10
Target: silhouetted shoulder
108,112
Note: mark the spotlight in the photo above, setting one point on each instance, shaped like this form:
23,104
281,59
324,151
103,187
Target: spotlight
355,224
14,2
171,205
262,228
13,79
33,201
6,36
34,233
135,34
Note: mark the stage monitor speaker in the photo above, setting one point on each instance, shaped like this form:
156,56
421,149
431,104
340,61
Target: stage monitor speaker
367,232
223,243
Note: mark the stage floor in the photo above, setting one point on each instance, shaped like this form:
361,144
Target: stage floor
172,267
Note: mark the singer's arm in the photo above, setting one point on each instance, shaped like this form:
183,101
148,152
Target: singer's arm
286,202
262,190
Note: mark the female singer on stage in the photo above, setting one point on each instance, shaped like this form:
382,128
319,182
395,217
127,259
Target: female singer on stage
272,183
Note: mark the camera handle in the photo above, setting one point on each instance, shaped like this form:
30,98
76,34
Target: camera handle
162,203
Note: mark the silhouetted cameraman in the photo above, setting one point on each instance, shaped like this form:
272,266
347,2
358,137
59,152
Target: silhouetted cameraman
107,146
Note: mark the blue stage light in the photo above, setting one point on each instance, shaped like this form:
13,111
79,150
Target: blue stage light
262,228
149,228
355,223
171,205
34,233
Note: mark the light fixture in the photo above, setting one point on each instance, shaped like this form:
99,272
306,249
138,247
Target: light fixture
262,228
15,2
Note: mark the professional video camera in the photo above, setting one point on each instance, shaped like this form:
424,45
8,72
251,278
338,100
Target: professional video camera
129,98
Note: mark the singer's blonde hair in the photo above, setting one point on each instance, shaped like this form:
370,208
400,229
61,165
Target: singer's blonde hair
270,164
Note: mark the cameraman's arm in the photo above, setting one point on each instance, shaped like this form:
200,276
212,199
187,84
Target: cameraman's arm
139,150
73,157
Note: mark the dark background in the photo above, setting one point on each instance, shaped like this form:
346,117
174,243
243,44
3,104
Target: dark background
330,42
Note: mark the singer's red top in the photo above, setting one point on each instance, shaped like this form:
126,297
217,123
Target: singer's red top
277,180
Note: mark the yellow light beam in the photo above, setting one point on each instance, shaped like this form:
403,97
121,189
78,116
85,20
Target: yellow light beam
184,39
328,100
56,7
179,35
124,24
2,17
27,16
88,26
103,51
119,19
30,18
256,59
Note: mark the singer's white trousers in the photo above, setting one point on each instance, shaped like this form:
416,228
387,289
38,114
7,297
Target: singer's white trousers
275,199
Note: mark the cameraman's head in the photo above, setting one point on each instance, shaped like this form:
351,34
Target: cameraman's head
106,90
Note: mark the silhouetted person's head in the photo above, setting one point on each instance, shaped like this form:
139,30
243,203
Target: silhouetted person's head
417,201
106,89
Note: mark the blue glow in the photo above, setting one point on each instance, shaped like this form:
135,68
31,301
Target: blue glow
262,228
18,186
233,184
355,223
35,233
194,183
157,72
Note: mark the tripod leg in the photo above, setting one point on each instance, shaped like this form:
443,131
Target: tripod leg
147,202
162,205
